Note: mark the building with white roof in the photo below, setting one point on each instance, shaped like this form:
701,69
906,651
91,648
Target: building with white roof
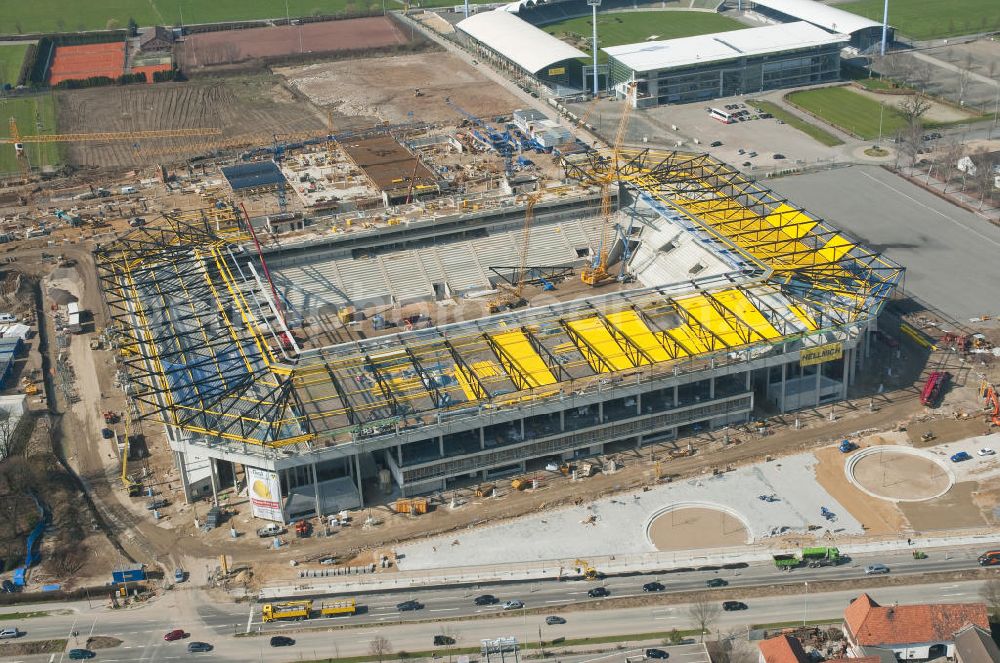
864,33
507,40
727,63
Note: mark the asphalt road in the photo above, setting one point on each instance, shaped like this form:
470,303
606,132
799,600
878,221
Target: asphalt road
142,628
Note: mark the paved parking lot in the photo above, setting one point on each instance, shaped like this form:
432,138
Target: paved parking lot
950,254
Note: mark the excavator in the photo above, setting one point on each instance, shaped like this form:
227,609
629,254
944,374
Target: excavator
598,273
586,570
989,393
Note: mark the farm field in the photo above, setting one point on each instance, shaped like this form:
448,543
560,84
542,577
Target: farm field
933,19
62,16
247,107
619,28
849,110
11,58
34,115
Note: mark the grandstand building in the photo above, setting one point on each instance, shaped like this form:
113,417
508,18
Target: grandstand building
322,368
726,64
865,34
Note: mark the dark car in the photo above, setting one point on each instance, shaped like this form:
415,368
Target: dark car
716,582
656,653
158,503
653,587
176,634
440,640
282,641
194,647
8,586
729,606
598,592
779,156
552,620
715,143
486,599
409,605
80,654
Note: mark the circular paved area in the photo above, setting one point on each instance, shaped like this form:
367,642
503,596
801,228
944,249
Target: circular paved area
690,527
899,473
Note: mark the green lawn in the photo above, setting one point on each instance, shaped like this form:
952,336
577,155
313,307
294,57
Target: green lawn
619,28
933,19
63,16
11,616
818,133
29,113
11,58
844,108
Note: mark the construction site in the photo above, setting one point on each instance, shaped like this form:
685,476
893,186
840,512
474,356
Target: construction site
402,294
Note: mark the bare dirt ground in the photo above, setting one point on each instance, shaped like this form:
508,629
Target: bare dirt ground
945,430
232,46
384,88
900,476
952,510
878,517
239,106
693,528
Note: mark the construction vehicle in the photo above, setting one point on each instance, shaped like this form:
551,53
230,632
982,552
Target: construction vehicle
520,484
934,388
28,386
786,562
821,556
511,296
337,608
303,529
586,570
597,273
294,610
846,446
988,392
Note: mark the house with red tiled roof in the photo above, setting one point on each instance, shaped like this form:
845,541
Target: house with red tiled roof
910,632
782,649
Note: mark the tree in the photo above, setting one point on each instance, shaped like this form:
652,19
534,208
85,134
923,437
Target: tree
674,637
133,27
913,108
990,593
379,647
703,613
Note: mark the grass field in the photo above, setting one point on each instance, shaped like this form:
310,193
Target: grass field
811,130
62,16
933,19
29,113
848,110
11,58
619,28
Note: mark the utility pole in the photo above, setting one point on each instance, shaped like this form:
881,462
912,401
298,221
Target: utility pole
594,4
881,110
885,26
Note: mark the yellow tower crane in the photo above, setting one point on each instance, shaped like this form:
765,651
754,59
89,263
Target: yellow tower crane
19,141
597,273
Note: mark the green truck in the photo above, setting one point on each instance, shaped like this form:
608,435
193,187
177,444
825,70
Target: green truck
811,557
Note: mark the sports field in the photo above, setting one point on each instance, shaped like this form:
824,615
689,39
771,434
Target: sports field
933,19
619,28
849,110
11,58
63,16
30,113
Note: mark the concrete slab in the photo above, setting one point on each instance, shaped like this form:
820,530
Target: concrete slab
617,525
949,253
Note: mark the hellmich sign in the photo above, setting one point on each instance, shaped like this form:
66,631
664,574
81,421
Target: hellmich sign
821,354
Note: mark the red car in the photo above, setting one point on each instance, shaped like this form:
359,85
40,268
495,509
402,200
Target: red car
176,634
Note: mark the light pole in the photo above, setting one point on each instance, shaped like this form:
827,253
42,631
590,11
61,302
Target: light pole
805,605
594,4
881,110
885,26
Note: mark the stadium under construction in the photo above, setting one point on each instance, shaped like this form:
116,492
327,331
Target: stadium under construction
333,364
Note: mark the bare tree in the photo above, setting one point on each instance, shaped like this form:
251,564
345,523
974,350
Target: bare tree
6,432
990,593
703,613
913,108
950,155
380,647
985,178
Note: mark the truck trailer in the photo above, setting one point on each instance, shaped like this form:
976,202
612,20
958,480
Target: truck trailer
299,610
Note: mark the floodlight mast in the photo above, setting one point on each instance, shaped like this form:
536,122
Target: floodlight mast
885,26
594,5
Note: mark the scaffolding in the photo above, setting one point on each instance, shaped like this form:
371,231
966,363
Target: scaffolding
202,337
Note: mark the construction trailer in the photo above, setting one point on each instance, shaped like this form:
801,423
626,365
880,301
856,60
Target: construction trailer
732,297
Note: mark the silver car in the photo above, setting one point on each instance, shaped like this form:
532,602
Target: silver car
513,605
876,569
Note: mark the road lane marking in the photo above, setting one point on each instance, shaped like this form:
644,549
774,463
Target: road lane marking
556,601
443,610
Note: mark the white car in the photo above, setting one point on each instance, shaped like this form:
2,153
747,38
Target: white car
986,451
513,605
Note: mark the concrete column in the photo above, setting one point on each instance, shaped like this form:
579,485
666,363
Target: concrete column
676,399
600,412
214,480
315,480
638,405
357,478
441,445
399,455
845,376
562,421
819,373
482,437
711,388
782,405
522,428
182,471
748,381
